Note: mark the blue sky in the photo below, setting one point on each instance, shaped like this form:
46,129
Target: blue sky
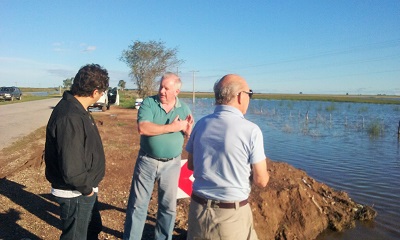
329,47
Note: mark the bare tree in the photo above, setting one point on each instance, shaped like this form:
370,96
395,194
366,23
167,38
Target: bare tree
147,61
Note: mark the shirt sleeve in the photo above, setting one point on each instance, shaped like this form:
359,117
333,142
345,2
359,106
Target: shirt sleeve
145,113
257,141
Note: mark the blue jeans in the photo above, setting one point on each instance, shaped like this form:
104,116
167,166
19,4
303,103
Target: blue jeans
147,171
80,217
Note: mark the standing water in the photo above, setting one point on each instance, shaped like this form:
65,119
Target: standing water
352,147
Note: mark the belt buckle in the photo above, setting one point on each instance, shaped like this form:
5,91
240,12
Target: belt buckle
214,203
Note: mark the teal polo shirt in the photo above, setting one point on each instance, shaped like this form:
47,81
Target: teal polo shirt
167,145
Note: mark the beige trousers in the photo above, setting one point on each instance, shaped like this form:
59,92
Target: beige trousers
208,223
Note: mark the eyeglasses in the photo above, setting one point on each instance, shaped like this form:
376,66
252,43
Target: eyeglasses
250,93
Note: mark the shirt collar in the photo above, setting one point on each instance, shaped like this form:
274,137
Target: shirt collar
67,95
177,101
227,108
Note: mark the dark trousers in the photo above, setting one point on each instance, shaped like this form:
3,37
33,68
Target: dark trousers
80,217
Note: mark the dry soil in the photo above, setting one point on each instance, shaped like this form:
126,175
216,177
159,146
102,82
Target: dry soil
292,206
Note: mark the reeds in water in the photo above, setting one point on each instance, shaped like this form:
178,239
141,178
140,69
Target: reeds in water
375,129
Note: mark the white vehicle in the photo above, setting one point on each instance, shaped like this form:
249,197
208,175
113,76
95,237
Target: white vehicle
138,102
102,103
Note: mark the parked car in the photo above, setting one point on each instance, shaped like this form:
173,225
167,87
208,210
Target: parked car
113,96
10,93
102,103
138,102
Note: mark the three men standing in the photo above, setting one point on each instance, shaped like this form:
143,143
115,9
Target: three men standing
226,152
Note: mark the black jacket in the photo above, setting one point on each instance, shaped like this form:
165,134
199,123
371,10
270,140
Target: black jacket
74,153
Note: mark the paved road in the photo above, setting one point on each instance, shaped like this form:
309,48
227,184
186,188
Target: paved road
20,119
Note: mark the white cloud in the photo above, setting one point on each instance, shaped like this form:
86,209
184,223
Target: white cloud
59,47
63,47
89,49
57,44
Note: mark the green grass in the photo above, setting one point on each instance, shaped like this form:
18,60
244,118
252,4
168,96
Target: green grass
128,97
197,95
332,98
26,98
310,97
28,89
375,129
331,107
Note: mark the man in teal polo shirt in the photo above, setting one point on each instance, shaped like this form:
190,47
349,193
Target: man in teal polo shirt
163,122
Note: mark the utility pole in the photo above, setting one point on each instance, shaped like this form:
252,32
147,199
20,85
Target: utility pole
193,84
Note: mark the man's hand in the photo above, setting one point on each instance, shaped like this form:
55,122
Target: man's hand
189,126
91,194
179,125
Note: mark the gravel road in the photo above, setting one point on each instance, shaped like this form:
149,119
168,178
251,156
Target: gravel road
19,119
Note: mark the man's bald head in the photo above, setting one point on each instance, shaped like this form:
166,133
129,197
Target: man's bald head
227,88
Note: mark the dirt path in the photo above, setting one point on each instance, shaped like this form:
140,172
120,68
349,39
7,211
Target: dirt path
292,206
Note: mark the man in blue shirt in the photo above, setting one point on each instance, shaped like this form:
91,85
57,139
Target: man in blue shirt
225,151
163,121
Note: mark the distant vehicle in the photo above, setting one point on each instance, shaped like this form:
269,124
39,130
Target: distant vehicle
103,104
10,93
113,96
138,102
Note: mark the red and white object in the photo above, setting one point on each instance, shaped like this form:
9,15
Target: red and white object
185,181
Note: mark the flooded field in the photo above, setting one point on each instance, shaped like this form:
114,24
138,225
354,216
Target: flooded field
352,147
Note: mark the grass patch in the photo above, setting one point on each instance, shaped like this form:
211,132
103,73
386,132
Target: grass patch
331,107
309,97
26,98
33,137
127,98
375,129
363,109
49,90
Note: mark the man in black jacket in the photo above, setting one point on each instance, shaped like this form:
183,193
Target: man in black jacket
74,155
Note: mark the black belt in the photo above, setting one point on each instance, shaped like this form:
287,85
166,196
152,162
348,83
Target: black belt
156,158
217,204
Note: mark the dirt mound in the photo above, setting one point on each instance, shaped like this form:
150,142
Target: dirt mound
292,206
295,206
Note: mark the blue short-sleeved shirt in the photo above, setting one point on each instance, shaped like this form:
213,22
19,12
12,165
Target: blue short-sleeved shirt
167,145
224,145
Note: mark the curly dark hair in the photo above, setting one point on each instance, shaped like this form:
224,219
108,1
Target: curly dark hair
90,77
